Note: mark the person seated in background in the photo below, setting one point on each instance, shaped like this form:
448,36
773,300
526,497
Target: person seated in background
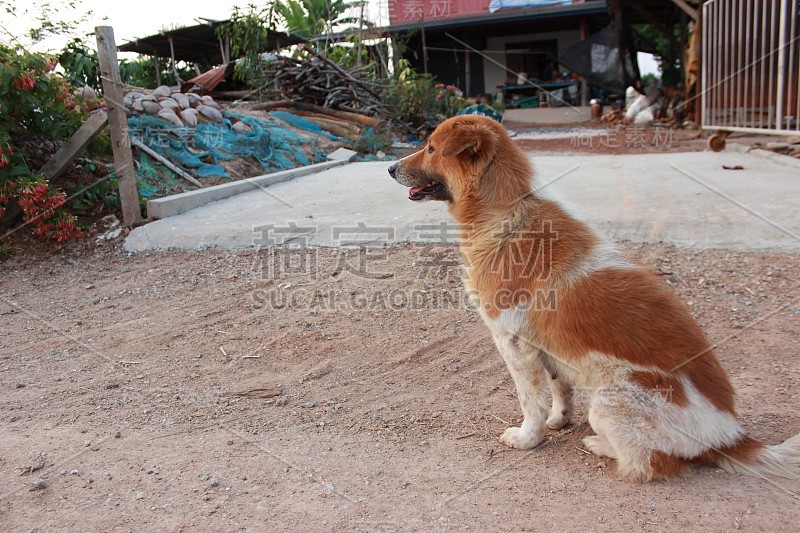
550,71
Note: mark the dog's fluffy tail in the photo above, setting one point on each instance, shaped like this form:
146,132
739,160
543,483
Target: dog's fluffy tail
753,458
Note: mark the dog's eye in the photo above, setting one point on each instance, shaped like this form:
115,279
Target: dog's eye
431,149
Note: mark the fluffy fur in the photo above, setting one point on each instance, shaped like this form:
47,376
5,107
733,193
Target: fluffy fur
566,308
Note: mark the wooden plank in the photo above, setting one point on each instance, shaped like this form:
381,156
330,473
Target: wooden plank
305,106
164,161
118,124
76,145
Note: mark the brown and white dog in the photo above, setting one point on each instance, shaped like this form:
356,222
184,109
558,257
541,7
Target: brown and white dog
566,308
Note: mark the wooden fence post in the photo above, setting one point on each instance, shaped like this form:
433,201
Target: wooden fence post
118,124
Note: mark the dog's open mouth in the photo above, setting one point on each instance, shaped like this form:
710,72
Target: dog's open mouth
431,189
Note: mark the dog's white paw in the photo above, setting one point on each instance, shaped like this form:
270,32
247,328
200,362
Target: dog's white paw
515,437
559,419
599,446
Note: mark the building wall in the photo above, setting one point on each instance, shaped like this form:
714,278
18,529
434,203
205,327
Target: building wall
494,75
448,66
411,11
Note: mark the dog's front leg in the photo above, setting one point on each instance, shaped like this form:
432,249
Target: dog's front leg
530,378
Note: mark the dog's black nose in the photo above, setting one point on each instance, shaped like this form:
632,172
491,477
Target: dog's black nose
393,169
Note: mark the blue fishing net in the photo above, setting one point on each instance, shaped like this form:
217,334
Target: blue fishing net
483,110
203,147
304,124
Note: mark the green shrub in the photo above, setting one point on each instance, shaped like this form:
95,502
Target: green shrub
419,100
36,106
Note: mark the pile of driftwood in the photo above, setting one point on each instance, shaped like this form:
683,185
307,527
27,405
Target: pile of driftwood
614,116
345,124
320,81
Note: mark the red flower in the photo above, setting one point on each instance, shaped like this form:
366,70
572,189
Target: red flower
26,82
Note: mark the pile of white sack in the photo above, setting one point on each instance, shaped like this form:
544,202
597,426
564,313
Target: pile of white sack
180,109
641,108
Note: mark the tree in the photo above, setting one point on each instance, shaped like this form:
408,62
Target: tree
44,20
310,18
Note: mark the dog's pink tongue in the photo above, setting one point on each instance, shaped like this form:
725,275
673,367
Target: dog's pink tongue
414,190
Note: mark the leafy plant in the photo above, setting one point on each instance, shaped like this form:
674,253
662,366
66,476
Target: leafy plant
141,72
81,66
419,99
449,100
249,29
348,55
35,107
248,33
666,44
310,18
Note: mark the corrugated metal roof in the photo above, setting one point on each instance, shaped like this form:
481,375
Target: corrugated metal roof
196,44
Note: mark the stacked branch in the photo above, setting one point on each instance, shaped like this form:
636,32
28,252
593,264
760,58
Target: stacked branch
318,81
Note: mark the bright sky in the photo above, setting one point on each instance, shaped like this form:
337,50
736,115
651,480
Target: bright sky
139,18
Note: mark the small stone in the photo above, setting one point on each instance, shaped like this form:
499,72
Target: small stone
308,405
140,495
329,488
90,285
162,91
38,484
37,465
110,386
214,482
19,386
241,127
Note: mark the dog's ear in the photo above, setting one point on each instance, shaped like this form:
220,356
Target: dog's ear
471,139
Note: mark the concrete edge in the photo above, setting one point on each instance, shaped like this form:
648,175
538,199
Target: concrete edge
186,201
766,154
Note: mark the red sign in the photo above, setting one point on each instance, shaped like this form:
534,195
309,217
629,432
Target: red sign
411,11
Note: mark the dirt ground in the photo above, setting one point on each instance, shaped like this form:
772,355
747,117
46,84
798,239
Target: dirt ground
311,391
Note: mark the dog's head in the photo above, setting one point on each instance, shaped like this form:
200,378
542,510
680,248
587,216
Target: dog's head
459,162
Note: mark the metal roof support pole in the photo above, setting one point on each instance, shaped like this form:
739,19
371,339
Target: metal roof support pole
360,32
583,26
781,82
701,66
158,70
467,69
424,47
174,64
225,49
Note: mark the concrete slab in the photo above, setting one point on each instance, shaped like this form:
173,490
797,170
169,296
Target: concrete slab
186,201
686,199
549,115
